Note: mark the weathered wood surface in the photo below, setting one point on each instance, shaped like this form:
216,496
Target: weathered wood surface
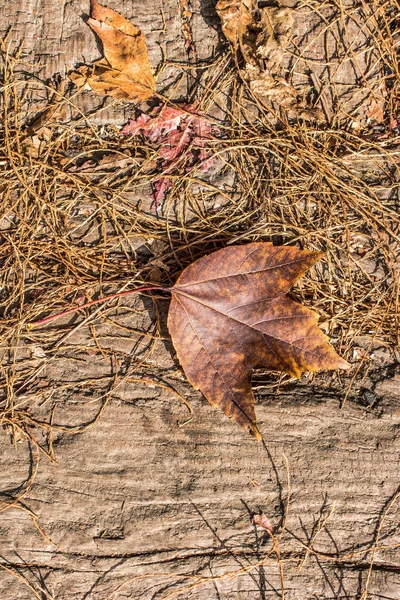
150,502
143,504
138,496
55,38
334,55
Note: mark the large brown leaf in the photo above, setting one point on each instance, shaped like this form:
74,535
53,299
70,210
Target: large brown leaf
230,314
125,71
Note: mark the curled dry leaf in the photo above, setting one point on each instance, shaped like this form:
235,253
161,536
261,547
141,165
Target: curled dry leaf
263,521
230,314
125,71
261,36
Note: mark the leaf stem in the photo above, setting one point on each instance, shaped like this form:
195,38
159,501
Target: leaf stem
73,309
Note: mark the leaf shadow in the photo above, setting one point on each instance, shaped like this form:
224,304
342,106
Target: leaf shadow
209,13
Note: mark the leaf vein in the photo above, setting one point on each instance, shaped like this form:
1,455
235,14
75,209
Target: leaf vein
200,281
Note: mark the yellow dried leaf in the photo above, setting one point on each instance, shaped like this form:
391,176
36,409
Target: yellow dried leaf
125,71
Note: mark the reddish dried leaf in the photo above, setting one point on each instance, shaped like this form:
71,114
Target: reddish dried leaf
206,160
132,128
125,71
161,187
375,113
230,314
263,521
168,119
154,128
180,131
394,122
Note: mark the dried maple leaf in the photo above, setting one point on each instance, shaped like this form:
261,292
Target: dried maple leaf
182,133
230,314
261,35
125,71
154,128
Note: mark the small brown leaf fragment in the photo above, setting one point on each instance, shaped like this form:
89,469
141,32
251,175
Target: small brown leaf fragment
234,15
230,314
37,143
125,71
263,522
375,114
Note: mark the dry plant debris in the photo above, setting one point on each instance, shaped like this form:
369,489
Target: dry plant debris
230,314
261,35
125,71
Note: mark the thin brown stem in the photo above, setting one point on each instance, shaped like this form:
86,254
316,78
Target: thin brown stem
73,309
